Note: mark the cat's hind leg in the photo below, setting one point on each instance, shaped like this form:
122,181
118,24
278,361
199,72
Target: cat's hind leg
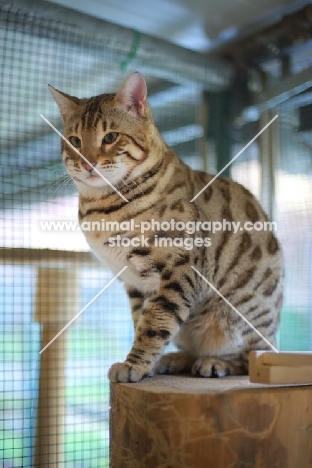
174,363
219,366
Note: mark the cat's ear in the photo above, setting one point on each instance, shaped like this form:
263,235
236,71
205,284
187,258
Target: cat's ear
67,104
133,93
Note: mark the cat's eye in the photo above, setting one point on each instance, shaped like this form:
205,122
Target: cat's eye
110,137
75,141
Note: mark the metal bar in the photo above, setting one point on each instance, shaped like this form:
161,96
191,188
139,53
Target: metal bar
202,142
284,89
268,158
219,128
162,58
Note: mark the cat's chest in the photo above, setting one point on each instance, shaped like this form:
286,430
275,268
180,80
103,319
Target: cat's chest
115,258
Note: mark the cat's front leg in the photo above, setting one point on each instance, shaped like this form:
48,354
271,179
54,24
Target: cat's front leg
160,320
136,299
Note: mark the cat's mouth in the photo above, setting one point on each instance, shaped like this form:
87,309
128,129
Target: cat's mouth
94,177
104,176
99,180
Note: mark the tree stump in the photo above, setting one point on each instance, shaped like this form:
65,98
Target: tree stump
186,422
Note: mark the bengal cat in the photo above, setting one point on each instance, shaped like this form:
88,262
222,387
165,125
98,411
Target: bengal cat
169,300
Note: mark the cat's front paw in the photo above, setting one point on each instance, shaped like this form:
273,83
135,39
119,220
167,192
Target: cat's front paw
210,367
126,372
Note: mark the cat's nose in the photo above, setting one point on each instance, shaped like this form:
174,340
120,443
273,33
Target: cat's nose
88,165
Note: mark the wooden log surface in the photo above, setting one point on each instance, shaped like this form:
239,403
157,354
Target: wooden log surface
186,422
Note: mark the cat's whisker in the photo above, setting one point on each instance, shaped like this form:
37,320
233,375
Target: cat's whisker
61,192
58,185
139,186
129,188
56,179
67,183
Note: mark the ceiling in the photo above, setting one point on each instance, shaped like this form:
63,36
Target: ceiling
30,166
195,24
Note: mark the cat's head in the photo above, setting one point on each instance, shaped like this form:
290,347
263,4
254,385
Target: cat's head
112,132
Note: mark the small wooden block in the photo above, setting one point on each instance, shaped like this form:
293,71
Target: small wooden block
280,368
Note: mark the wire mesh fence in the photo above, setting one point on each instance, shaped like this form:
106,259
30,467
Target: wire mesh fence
294,218
293,202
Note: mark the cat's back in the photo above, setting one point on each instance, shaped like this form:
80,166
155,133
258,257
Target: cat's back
226,197
243,240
